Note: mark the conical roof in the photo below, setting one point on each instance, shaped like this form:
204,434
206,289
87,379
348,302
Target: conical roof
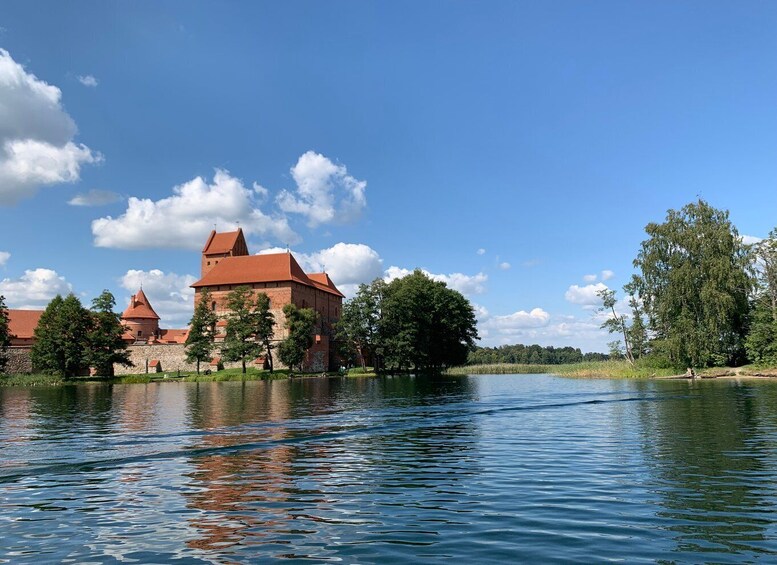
139,308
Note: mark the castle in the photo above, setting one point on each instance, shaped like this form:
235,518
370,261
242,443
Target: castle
225,266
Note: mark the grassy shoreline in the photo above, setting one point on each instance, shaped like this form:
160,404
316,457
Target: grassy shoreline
608,370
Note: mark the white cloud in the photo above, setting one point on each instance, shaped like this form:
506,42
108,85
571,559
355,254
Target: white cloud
87,80
185,218
585,295
347,264
504,265
4,256
325,192
589,278
94,198
36,135
465,284
519,320
607,274
169,294
34,289
481,251
750,239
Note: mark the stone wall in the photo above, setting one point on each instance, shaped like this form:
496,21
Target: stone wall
18,361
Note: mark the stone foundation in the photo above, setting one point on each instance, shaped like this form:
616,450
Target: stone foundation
18,361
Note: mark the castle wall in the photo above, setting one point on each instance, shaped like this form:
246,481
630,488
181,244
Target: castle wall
18,361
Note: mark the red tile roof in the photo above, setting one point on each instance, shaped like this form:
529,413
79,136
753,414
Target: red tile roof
272,267
322,281
173,336
22,323
222,242
154,363
139,307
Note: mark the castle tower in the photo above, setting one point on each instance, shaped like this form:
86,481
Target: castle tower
221,245
140,319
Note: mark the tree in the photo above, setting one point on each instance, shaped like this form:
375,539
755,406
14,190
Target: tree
5,335
265,325
425,325
761,341
202,331
766,255
61,338
301,323
240,342
105,345
695,278
360,320
615,323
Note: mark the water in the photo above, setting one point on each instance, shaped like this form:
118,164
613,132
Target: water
481,469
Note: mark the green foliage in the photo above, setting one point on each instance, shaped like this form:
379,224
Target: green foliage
694,281
61,338
202,332
5,336
530,354
615,323
425,325
360,319
265,325
240,343
301,323
105,345
761,342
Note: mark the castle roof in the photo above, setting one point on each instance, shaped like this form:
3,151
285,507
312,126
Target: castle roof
139,307
224,242
22,323
271,267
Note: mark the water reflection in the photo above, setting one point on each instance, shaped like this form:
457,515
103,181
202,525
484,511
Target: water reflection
711,446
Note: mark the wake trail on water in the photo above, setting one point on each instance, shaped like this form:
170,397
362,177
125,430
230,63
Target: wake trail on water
427,419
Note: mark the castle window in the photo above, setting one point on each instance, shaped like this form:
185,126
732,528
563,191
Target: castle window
209,263
140,333
213,306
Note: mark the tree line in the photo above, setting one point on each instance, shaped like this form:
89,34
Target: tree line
701,295
413,323
531,355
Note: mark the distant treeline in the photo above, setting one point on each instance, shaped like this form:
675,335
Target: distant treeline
531,355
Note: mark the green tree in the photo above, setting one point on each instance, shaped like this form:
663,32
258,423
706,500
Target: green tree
615,323
105,345
761,341
202,331
61,338
694,281
301,323
240,342
264,325
360,321
5,335
425,325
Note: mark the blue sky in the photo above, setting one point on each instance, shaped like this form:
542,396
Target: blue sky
513,149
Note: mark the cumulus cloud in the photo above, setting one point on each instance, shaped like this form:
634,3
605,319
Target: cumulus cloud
87,80
589,278
4,256
325,192
607,274
585,295
465,284
94,198
34,289
169,294
347,264
36,135
504,265
481,251
750,239
184,219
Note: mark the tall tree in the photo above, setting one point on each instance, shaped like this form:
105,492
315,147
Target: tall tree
264,325
5,334
761,342
694,281
615,323
202,331
425,325
105,345
300,323
240,342
766,255
61,337
360,320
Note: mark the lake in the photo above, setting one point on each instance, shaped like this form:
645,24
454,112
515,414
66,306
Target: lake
528,468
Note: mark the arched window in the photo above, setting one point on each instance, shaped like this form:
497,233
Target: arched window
213,306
